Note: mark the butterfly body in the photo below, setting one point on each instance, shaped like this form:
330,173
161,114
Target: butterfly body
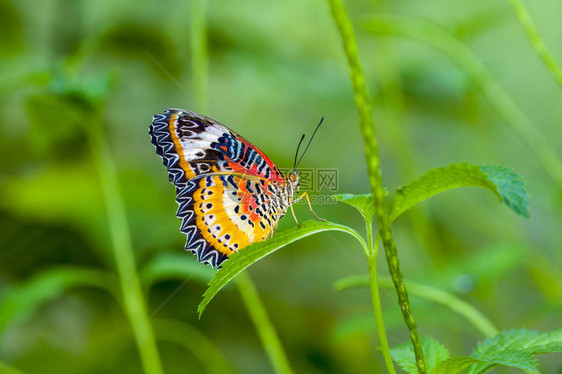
230,194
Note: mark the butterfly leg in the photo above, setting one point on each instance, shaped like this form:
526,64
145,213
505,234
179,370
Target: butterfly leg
276,225
305,194
294,216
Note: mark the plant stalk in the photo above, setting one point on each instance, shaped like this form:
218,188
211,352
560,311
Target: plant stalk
375,177
536,40
133,300
375,296
264,327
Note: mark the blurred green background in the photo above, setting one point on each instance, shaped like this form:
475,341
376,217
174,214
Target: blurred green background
67,66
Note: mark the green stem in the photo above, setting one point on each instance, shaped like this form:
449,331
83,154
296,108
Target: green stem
133,300
458,52
264,327
199,54
375,177
375,295
536,40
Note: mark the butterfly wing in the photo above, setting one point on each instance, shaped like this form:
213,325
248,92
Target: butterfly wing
229,193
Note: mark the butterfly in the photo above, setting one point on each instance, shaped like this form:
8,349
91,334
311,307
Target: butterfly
230,194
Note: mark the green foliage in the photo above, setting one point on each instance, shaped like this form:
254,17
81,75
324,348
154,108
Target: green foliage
514,348
510,187
498,179
520,345
239,261
58,75
515,359
501,181
457,364
504,183
434,352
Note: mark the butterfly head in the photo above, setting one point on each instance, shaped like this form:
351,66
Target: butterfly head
293,177
293,182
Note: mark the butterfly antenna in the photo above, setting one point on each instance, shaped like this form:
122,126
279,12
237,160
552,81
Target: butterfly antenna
310,141
296,154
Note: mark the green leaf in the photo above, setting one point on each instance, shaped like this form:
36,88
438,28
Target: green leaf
510,187
22,301
434,352
524,343
516,359
500,180
519,339
514,348
252,253
365,204
454,365
174,265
